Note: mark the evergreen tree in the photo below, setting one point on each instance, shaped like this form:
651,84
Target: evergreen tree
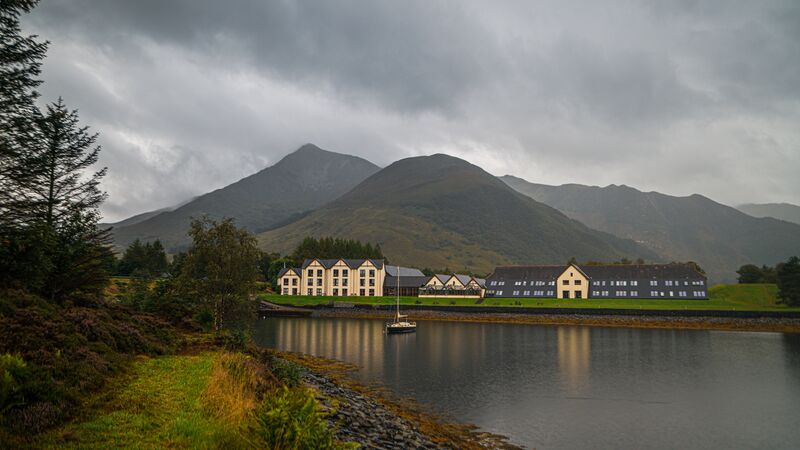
788,277
20,64
750,273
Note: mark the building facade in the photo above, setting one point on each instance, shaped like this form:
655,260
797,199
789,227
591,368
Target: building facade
334,277
453,286
643,281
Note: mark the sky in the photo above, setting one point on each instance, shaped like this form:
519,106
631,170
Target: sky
188,96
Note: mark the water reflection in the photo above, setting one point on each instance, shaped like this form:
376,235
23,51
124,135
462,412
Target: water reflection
565,386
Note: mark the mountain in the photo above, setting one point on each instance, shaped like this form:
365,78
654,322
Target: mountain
141,217
439,211
302,181
782,211
720,238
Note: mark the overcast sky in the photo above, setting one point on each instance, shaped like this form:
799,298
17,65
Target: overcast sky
680,97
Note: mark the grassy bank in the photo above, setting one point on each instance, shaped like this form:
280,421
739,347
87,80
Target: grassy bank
734,297
212,399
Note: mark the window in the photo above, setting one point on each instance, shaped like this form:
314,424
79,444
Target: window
372,282
310,272
634,283
622,293
595,293
681,293
285,281
577,282
335,272
344,292
335,292
372,292
502,283
319,291
634,293
578,294
310,281
595,283
671,293
551,293
516,283
493,283
499,292
653,283
361,292
372,272
285,291
361,282
526,293
565,282
335,281
344,282
515,293
344,272
319,281
310,291
653,293
294,281
604,293
362,272
319,272
604,283
552,283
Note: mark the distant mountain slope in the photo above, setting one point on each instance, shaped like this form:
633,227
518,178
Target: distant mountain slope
782,211
439,211
718,237
133,220
300,182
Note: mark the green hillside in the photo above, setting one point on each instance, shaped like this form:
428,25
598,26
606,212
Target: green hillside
300,182
694,228
439,211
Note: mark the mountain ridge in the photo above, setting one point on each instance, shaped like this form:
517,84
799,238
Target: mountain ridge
440,211
720,238
301,181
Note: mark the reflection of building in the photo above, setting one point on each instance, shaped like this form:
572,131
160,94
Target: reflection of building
599,281
574,356
453,286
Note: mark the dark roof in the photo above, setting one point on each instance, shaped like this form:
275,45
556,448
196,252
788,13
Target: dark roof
404,271
405,282
286,269
351,263
608,272
526,273
643,271
464,279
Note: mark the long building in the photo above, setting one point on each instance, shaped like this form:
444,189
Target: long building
645,281
334,277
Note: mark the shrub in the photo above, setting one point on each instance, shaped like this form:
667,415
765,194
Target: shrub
13,371
233,388
290,418
287,372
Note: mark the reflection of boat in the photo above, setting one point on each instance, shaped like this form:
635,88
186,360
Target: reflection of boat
399,325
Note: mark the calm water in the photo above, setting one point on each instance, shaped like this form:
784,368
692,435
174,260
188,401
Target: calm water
577,387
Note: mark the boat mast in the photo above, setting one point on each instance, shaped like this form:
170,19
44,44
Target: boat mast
398,294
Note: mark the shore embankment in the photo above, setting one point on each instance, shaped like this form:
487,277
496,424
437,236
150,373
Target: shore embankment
373,417
701,320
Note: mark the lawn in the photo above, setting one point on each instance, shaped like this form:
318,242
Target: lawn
159,404
748,297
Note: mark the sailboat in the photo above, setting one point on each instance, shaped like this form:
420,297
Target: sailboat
400,325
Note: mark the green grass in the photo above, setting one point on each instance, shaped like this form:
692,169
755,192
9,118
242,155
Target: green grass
748,297
158,405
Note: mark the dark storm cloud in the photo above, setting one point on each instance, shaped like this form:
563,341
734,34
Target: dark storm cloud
682,97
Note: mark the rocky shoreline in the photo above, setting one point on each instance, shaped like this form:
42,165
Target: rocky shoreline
764,324
360,419
375,419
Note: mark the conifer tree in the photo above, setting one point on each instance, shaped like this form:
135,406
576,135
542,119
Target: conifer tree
20,64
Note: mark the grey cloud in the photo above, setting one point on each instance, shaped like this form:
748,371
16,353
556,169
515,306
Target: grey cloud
191,95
